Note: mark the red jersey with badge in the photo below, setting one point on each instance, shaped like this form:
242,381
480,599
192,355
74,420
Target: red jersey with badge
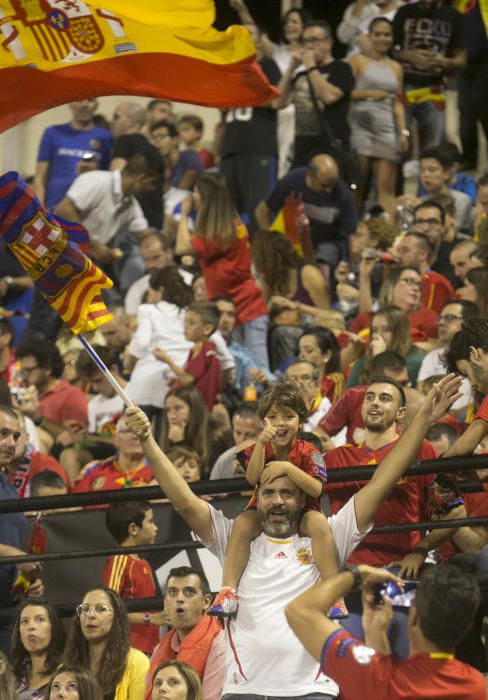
436,290
133,578
205,367
407,502
303,455
227,272
106,475
362,673
346,412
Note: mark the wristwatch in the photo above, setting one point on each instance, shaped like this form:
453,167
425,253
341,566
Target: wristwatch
147,619
356,576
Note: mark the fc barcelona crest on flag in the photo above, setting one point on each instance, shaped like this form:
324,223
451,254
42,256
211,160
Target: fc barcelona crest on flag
69,281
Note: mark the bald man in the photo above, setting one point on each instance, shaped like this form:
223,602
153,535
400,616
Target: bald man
460,258
329,206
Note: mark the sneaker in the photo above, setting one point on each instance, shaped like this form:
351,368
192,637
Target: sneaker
338,611
225,604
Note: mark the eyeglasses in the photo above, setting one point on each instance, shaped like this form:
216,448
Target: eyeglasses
98,609
410,281
428,222
28,370
449,318
315,40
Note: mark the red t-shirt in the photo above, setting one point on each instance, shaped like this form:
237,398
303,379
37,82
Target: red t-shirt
407,502
423,324
362,673
482,411
133,578
227,272
205,367
346,412
63,403
303,455
332,386
106,475
436,290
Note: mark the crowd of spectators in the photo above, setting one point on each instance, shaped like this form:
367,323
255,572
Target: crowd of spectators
289,296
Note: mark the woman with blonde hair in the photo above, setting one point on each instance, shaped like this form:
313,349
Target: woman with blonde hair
220,242
7,680
175,680
390,330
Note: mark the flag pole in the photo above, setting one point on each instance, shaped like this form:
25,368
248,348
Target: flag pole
105,370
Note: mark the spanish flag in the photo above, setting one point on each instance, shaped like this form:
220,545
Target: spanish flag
67,279
56,51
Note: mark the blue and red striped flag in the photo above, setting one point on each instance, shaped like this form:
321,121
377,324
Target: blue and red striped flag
50,251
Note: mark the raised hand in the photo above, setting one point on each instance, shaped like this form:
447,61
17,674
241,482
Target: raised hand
441,397
138,422
268,433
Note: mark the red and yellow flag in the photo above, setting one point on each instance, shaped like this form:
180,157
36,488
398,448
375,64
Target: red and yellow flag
68,280
56,51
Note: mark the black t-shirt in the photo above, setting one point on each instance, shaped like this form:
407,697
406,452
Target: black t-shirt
129,145
332,215
307,119
439,29
253,129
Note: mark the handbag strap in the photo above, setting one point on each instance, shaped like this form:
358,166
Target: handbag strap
325,127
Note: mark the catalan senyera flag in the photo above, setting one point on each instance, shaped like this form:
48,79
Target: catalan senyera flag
69,281
56,51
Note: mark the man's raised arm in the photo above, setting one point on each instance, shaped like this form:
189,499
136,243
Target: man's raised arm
192,509
387,474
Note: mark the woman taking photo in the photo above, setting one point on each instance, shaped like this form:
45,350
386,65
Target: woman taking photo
99,640
159,324
221,243
377,116
37,647
175,680
73,683
402,287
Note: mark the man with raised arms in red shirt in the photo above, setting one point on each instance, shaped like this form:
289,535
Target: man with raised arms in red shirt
442,612
383,407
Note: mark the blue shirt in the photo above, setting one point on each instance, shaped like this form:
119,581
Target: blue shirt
188,160
11,533
244,361
63,147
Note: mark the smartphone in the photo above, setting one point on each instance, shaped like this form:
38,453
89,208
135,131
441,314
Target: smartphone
401,597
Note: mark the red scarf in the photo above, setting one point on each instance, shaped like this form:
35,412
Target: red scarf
194,649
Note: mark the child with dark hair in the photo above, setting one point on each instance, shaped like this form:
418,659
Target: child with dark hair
283,411
190,131
131,524
202,367
187,461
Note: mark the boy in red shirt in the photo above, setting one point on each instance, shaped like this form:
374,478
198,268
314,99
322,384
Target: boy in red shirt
132,524
283,411
202,366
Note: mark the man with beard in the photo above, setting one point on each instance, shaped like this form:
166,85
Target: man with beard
383,408
12,526
263,656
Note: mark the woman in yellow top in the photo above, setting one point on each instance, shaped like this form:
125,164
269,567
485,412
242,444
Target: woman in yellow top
99,640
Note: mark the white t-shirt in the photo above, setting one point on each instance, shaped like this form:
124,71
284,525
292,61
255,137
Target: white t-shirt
101,410
263,655
105,210
433,365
